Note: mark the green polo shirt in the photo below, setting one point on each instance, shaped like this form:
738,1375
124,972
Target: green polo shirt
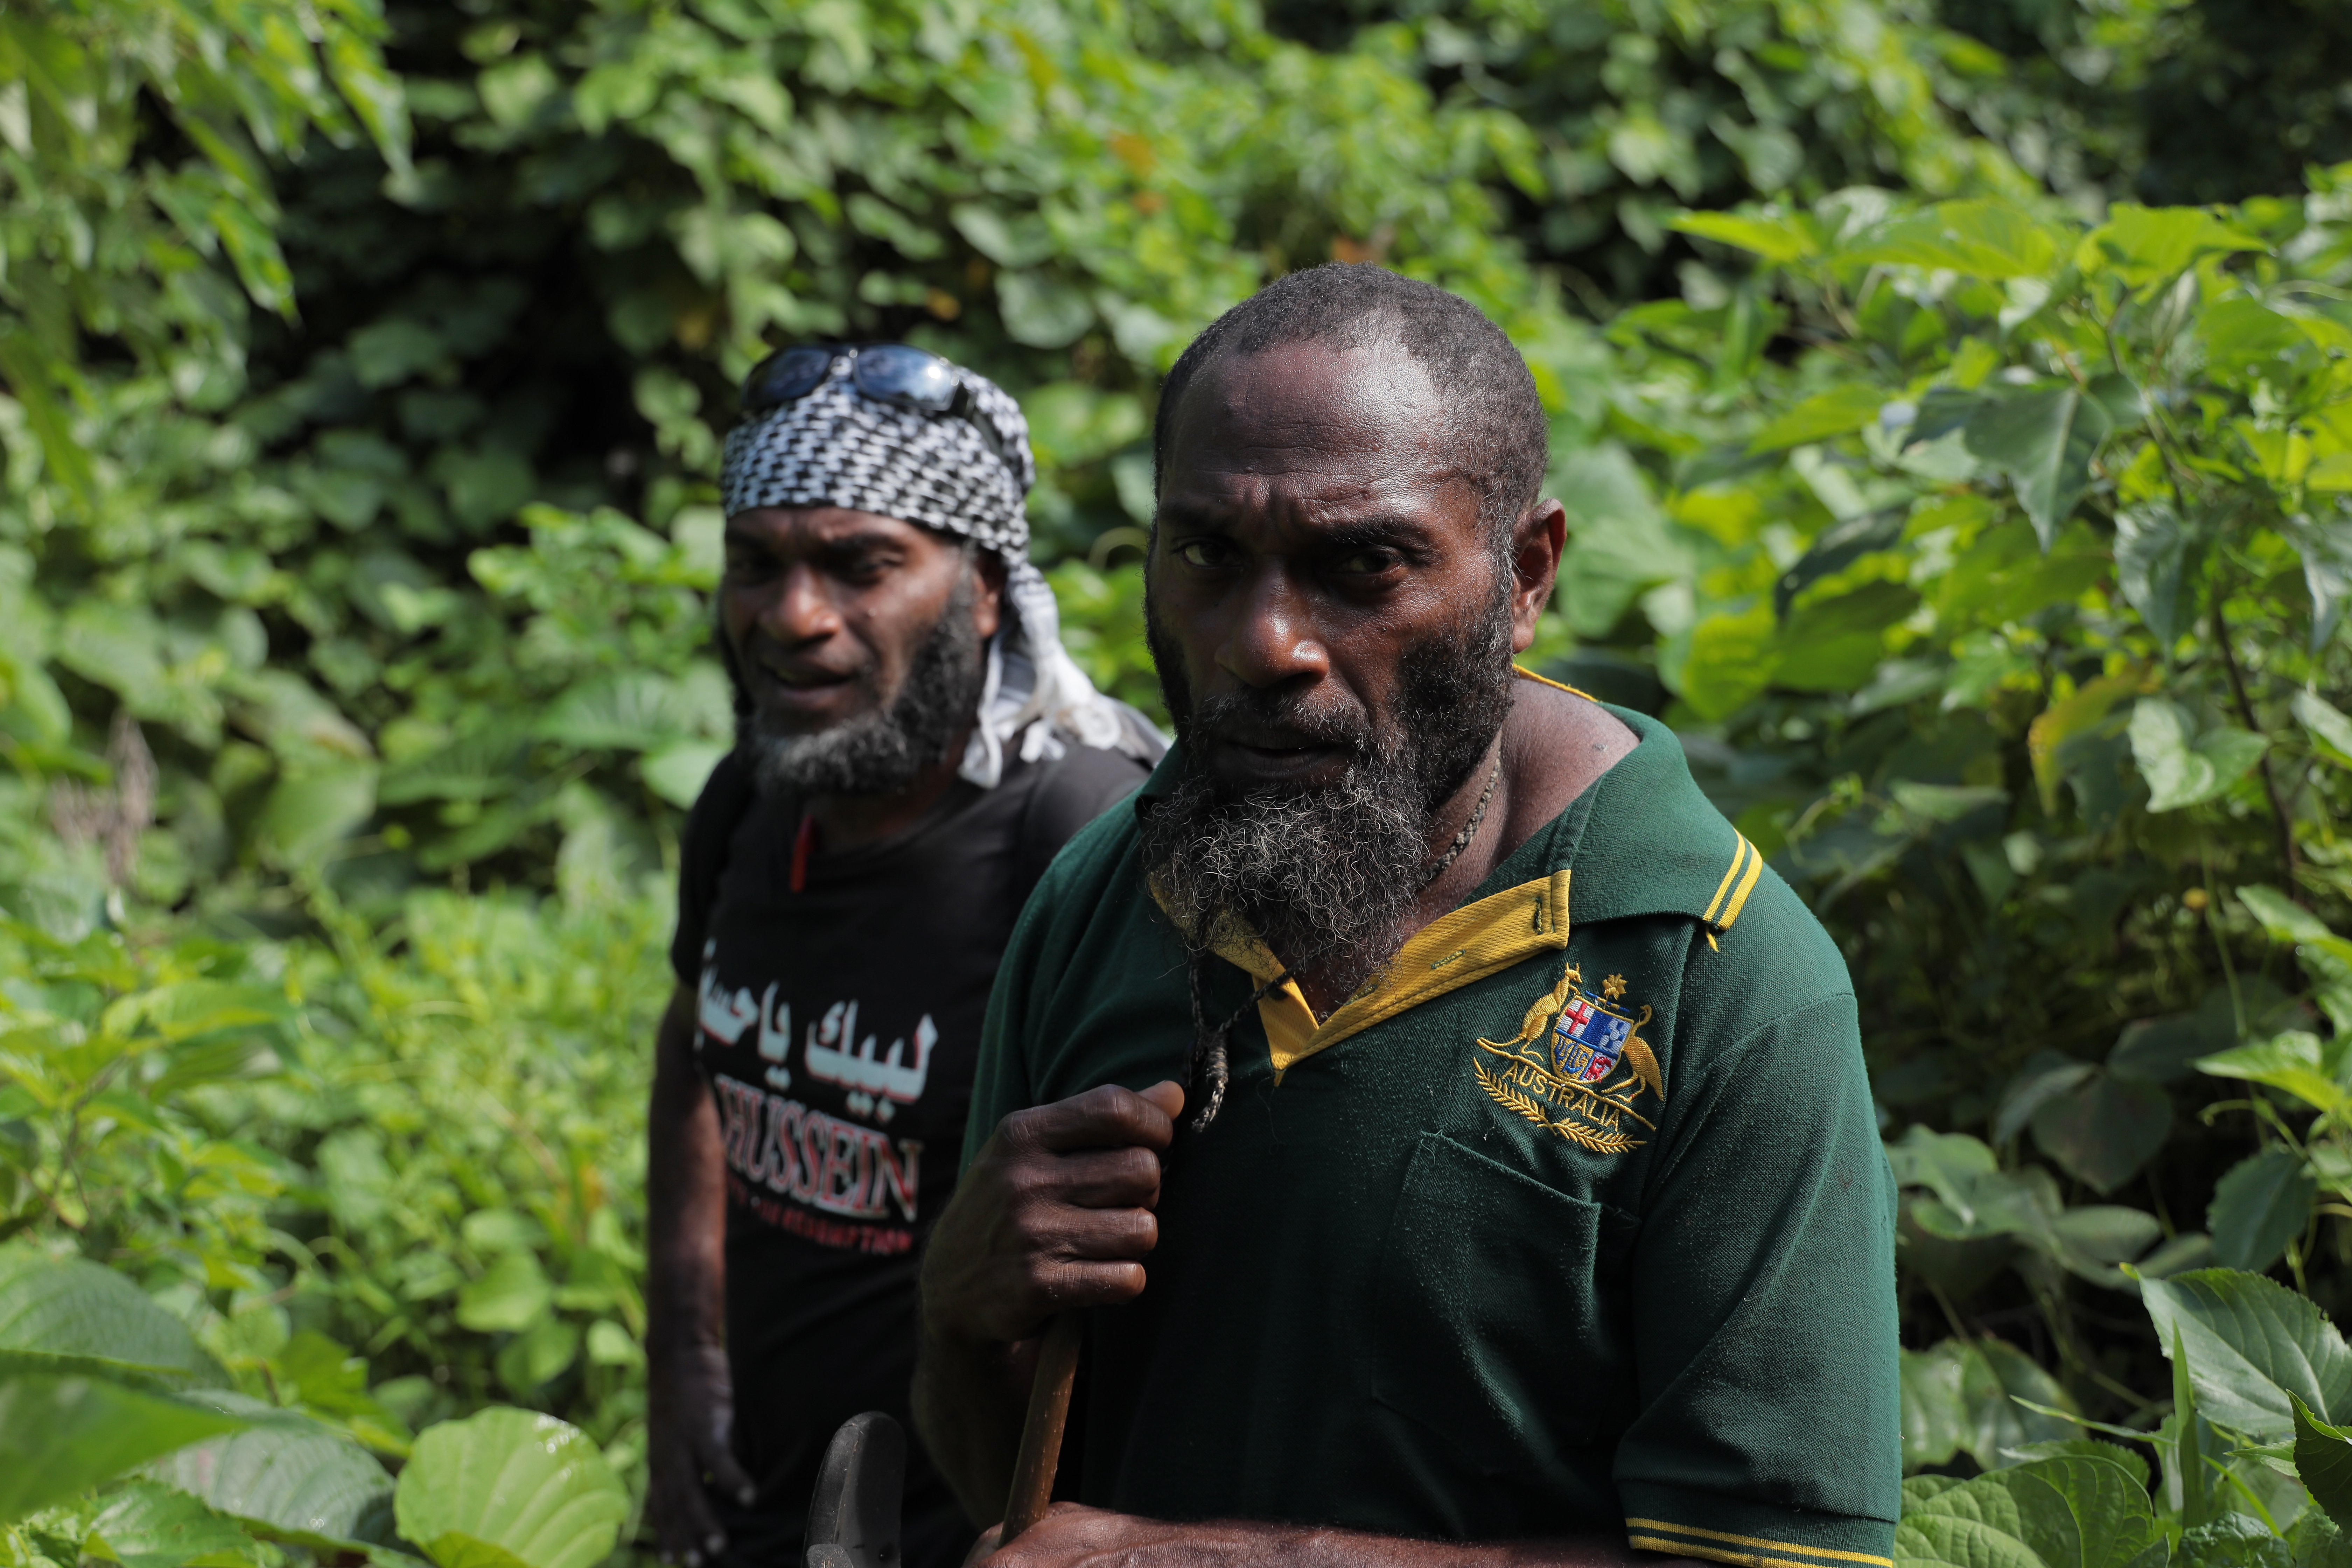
1574,1219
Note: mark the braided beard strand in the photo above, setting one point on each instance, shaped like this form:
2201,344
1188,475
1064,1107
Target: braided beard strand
1325,876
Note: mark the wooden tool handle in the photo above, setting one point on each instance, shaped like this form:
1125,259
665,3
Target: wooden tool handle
1041,1434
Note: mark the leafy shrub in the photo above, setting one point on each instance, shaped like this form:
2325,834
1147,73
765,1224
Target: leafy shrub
1991,562
363,1189
411,582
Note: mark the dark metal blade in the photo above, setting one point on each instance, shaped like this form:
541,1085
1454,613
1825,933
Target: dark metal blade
853,1519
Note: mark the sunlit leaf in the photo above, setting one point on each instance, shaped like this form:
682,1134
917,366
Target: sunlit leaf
508,1296
145,1525
1041,310
1840,411
70,1306
2148,244
61,1435
2043,440
2328,725
2294,1062
2249,1344
2183,768
308,812
2325,543
513,1484
2150,545
637,712
290,1476
1978,238
1776,240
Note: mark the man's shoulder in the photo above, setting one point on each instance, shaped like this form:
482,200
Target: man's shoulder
1775,960
1056,799
1095,850
1653,848
725,798
1067,792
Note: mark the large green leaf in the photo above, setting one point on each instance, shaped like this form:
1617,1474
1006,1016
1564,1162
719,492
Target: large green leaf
2043,440
2104,1128
1974,1525
2082,1512
1071,422
2323,1462
296,1481
2233,1540
2328,725
2165,1050
2249,1342
2284,920
2325,545
678,772
1935,1421
308,812
473,767
147,1525
2151,546
1731,659
2076,1510
1041,310
2260,1205
2295,1062
1975,238
72,1308
509,1484
510,1294
1840,411
2183,768
636,711
1961,1397
1776,239
59,1435
2150,245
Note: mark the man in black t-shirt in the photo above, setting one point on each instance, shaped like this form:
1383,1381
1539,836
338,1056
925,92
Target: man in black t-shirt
914,745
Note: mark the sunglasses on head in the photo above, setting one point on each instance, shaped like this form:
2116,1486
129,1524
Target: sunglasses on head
896,374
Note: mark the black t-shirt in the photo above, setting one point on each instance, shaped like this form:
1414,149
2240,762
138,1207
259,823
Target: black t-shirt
837,1028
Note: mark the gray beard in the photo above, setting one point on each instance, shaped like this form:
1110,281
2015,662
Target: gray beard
1326,876
884,749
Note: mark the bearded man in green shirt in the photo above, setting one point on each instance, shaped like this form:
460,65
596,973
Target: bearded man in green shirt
1522,1199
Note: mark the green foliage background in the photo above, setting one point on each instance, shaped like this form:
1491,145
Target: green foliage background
1986,535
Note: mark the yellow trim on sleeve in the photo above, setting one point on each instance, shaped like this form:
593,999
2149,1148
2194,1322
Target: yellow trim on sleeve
1738,853
1746,885
1470,944
1738,880
1789,1548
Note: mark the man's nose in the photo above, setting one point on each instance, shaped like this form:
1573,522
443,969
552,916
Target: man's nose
799,610
1271,636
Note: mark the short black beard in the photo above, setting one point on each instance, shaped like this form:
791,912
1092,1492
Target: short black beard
882,750
1326,875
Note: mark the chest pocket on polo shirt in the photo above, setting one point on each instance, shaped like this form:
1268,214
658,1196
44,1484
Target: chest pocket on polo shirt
1495,1304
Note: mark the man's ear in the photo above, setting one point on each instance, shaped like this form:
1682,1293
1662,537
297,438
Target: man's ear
988,603
1536,541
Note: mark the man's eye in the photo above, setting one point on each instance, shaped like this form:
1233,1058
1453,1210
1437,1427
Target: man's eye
1367,562
1207,554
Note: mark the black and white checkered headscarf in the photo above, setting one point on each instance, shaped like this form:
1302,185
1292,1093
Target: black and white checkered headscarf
836,447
